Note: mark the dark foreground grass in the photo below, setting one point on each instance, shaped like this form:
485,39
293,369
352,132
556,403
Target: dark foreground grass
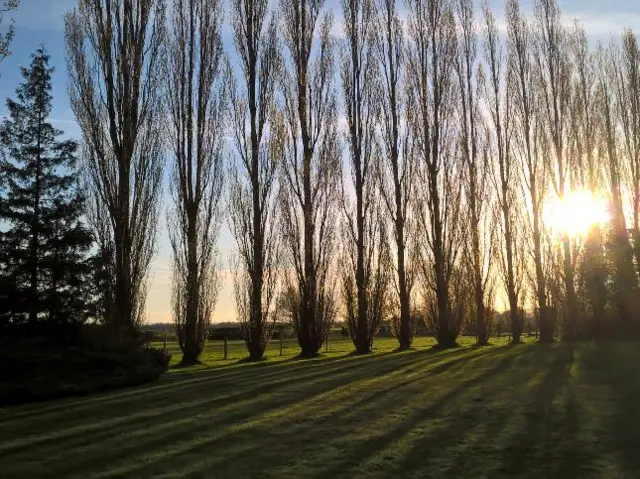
562,410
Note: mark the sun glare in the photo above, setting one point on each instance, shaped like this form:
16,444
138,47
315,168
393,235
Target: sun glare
576,213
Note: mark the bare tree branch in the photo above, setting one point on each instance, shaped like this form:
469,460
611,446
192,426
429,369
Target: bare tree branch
196,89
258,133
115,58
311,171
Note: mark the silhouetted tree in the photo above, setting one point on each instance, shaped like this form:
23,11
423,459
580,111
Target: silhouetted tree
553,72
430,74
311,171
5,42
195,91
505,173
624,281
254,189
45,260
397,169
115,63
365,284
478,250
584,149
527,146
628,111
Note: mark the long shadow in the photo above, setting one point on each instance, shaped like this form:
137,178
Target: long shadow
175,436
578,458
458,424
163,393
546,443
371,447
476,431
236,369
374,398
305,412
613,367
174,380
540,416
173,401
304,426
327,380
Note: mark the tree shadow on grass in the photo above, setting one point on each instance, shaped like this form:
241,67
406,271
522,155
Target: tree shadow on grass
537,423
539,432
428,413
393,414
139,414
161,390
302,401
301,422
234,371
178,381
611,370
539,413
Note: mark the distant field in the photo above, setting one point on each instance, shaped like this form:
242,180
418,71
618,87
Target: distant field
236,350
563,410
213,355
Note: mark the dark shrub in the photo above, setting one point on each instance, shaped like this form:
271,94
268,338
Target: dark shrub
92,358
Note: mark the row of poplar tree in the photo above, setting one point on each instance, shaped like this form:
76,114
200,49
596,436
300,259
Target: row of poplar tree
394,164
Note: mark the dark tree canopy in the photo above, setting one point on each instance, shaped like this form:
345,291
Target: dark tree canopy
44,265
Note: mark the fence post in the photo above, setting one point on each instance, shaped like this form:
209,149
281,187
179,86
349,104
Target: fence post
165,346
280,341
326,344
225,348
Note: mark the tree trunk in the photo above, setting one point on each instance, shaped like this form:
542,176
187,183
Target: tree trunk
256,346
192,344
571,308
311,339
546,328
445,336
636,223
123,307
514,313
406,335
362,342
35,240
482,330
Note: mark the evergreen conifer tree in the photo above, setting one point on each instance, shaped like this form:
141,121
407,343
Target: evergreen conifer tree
45,268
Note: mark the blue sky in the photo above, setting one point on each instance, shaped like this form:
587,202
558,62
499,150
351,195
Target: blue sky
41,22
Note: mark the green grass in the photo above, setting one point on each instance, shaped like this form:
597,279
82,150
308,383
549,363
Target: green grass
562,410
213,355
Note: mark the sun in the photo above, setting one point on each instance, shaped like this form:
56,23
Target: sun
576,213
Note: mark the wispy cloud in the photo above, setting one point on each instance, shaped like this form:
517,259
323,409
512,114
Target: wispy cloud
596,24
604,24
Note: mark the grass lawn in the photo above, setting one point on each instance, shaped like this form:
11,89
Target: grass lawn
563,410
